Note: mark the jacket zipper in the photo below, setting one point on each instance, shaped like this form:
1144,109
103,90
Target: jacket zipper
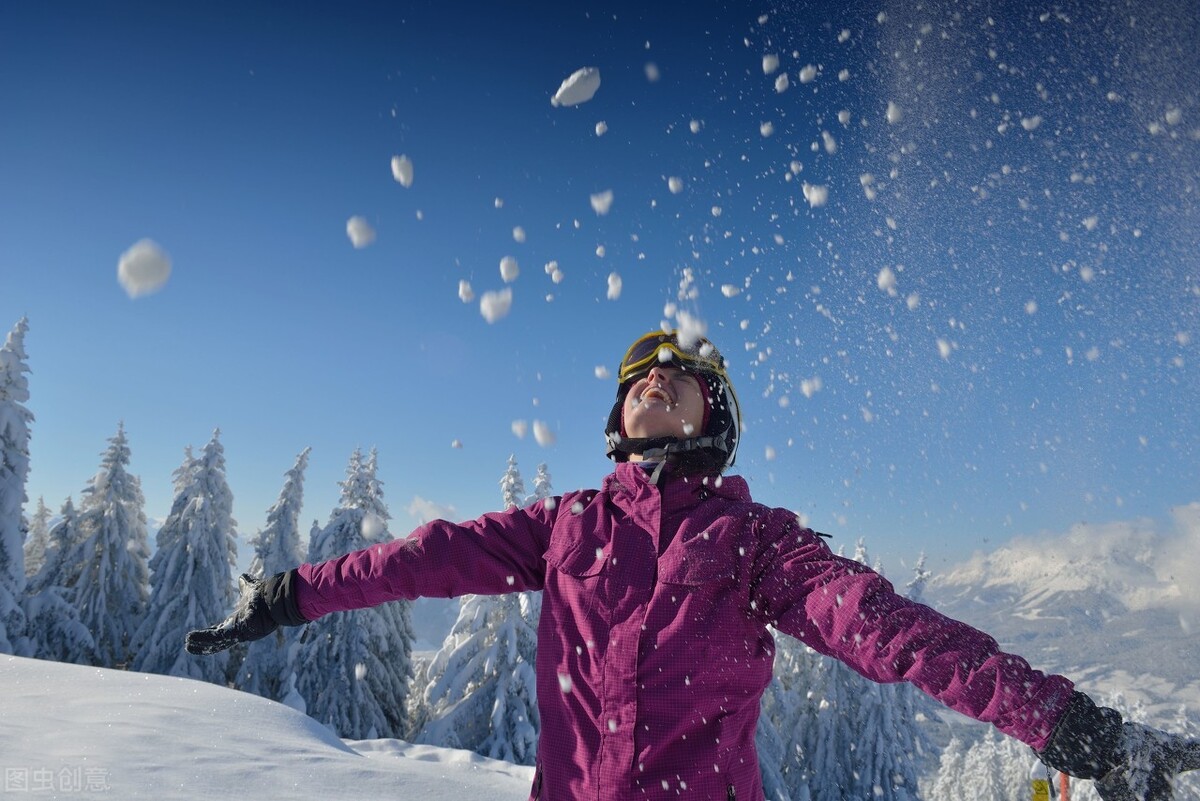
537,784
731,795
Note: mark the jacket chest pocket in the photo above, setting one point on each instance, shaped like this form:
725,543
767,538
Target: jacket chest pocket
697,562
578,561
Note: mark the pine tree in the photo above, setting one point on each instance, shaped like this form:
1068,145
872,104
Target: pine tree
511,485
37,540
915,588
483,693
191,581
541,485
108,564
357,666
267,669
947,782
54,624
14,470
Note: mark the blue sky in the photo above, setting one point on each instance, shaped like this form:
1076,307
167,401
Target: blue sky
989,328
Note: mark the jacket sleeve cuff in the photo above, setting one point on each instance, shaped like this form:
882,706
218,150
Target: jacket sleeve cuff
1084,741
279,591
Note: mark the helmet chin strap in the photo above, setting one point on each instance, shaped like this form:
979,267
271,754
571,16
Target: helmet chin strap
661,449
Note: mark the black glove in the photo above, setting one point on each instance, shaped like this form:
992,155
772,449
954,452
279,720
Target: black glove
1129,761
263,606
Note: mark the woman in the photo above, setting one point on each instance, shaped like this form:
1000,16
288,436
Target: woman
658,590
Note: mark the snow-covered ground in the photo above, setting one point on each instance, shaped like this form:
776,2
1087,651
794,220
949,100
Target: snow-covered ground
67,731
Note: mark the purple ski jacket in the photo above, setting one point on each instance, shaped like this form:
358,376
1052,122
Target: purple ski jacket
655,607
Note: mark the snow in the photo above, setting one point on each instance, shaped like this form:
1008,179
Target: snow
71,729
816,196
808,74
652,72
543,434
402,170
360,232
894,113
766,129
465,293
770,63
675,184
602,202
518,234
577,88
495,305
614,286
509,269
601,128
782,83
143,269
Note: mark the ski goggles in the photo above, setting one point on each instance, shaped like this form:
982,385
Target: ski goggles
662,347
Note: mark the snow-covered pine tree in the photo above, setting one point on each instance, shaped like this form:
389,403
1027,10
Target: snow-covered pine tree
108,564
54,624
512,487
267,669
793,713
541,485
947,782
982,779
770,745
191,581
357,666
37,540
915,588
483,692
14,470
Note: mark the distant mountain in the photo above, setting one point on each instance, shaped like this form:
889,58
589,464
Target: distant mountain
1113,607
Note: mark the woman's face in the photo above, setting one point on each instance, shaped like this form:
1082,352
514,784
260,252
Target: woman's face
665,402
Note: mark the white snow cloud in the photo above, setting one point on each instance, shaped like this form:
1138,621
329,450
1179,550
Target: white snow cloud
578,88
360,232
402,170
143,269
425,510
495,305
602,202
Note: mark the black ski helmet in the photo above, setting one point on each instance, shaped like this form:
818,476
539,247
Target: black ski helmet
712,450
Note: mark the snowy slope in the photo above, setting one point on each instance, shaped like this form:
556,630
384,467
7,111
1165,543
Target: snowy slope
1112,607
66,729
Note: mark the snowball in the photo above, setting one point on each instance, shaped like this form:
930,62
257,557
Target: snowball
830,142
520,428
695,126
518,234
1030,123
601,128
729,290
457,443
143,269
498,202
844,35
602,372
602,202
1174,116
944,348
844,76
495,305
770,63
1090,223
402,170
816,195
360,671
894,113
675,184
844,117
766,129
600,251
509,269
564,683
769,454
652,73
614,286
465,293
717,211
542,433
372,525
810,386
887,280
808,74
782,83
1031,307
360,232
578,88
912,301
